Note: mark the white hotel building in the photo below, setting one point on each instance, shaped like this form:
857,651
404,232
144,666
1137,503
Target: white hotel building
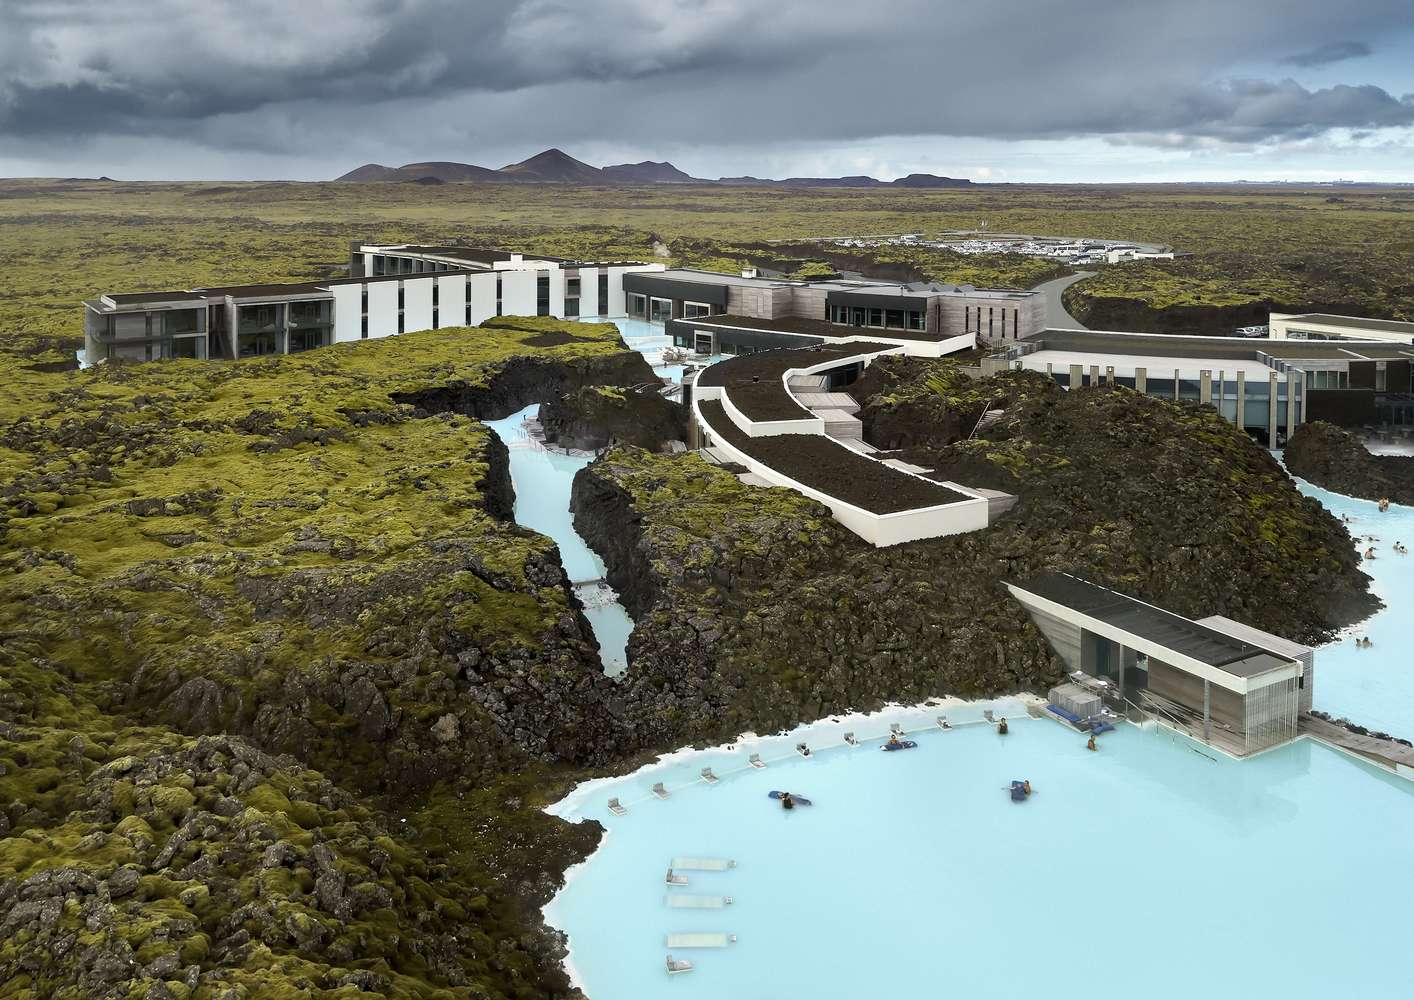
391,289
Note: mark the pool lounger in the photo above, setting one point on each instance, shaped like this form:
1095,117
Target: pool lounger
1070,717
802,749
704,864
660,791
676,965
850,740
686,902
895,729
709,777
700,940
755,760
616,807
943,722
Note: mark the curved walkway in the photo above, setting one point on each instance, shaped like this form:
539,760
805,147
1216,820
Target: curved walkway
1056,316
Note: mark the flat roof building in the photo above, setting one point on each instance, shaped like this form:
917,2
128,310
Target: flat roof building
1231,685
1266,387
392,289
714,313
1328,326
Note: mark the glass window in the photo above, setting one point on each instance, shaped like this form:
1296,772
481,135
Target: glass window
915,320
695,310
572,306
603,295
893,319
876,317
542,295
637,304
857,316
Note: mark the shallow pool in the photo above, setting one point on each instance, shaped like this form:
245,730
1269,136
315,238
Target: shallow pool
1375,686
1145,869
542,478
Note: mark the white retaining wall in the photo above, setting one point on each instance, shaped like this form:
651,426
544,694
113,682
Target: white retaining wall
880,530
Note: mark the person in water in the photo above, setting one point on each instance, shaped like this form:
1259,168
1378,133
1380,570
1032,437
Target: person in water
786,801
1027,785
1001,727
1370,553
893,741
1090,743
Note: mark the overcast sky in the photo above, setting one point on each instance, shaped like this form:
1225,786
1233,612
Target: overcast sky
1021,90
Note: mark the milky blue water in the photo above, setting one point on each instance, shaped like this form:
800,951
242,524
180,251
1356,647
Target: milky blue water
1375,686
542,478
1146,869
649,340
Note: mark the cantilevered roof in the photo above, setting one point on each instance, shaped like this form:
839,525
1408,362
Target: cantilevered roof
139,298
1352,322
1119,345
1226,652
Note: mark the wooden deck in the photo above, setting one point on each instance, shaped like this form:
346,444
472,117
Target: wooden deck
1386,753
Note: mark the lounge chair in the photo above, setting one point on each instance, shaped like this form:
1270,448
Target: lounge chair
709,777
802,749
850,740
676,965
673,878
616,807
660,791
943,722
755,760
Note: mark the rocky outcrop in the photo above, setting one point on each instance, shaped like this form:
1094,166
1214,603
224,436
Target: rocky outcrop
525,380
1336,460
1163,501
916,402
282,685
595,417
211,868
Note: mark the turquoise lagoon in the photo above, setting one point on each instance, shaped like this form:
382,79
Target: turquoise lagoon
1153,868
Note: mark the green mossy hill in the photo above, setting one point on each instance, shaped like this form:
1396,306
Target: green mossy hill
1166,502
280,549
909,402
594,417
204,868
1334,459
309,556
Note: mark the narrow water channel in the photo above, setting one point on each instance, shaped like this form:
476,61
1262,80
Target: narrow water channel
542,478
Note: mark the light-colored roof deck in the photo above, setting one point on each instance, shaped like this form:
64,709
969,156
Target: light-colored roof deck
1156,366
1352,322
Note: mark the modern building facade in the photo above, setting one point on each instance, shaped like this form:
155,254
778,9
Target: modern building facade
1233,686
713,313
1326,326
391,290
1267,387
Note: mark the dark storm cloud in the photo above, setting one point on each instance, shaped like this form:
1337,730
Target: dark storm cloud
1331,52
421,78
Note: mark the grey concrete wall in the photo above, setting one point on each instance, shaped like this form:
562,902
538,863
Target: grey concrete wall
808,302
1027,314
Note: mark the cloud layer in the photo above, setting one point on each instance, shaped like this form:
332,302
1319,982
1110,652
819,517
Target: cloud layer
313,83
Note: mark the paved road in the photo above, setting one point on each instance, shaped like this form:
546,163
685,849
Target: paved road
1056,316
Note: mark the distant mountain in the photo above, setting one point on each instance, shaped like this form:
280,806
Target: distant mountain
554,166
369,172
856,181
443,170
647,172
930,181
